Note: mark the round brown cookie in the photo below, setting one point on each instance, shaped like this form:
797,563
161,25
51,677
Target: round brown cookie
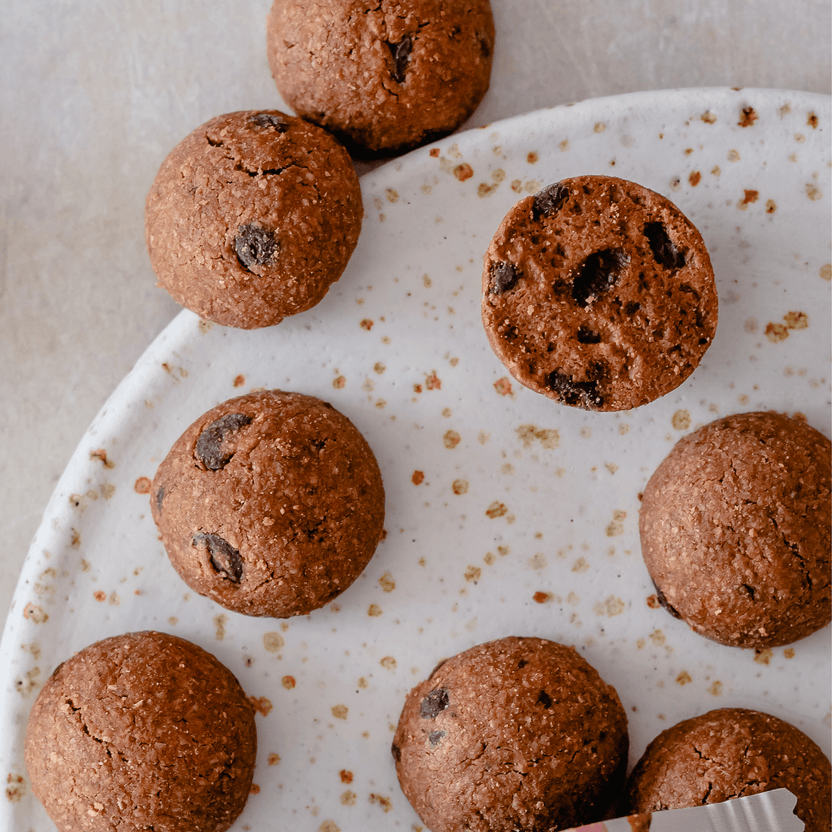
515,734
735,532
728,753
270,504
252,217
383,77
142,731
599,293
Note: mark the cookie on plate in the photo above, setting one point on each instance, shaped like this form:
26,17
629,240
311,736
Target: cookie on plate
598,293
735,530
728,753
270,504
514,734
142,731
383,77
252,217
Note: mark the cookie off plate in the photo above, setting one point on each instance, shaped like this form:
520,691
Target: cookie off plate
507,514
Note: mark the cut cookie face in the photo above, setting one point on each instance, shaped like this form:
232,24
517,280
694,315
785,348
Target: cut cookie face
252,217
514,734
142,731
383,77
598,293
728,753
735,530
270,504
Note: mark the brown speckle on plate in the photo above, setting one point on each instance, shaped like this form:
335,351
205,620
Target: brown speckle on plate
142,485
683,678
261,704
681,420
382,801
762,655
459,486
695,178
715,689
463,172
708,117
340,711
273,642
776,332
418,477
616,527
288,682
101,455
451,439
503,386
748,116
473,574
273,759
532,158
367,324
812,192
496,509
387,583
388,663
348,798
374,610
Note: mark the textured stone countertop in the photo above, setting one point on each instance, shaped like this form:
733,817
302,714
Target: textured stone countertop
94,95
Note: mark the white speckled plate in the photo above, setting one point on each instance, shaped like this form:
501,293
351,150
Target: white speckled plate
506,513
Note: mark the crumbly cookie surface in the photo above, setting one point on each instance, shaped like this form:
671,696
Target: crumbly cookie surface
252,217
383,76
729,753
735,530
270,504
598,293
142,731
514,734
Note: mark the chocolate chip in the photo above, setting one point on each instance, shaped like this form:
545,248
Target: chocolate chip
255,246
664,251
396,752
401,55
485,46
435,737
225,559
749,590
522,663
270,121
434,703
209,450
580,393
160,495
503,277
587,336
544,699
597,274
664,602
549,200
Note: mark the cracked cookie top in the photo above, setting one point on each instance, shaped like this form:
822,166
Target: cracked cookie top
598,293
735,530
729,753
252,217
142,731
270,504
383,75
515,734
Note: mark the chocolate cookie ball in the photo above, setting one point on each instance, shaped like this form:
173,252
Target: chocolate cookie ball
383,77
728,753
735,530
270,504
598,293
252,217
142,731
519,734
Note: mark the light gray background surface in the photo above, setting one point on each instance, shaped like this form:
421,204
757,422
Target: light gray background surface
93,95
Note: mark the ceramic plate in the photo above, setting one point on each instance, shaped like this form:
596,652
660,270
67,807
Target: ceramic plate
506,513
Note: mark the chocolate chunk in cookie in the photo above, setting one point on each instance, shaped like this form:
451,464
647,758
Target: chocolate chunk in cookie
598,293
